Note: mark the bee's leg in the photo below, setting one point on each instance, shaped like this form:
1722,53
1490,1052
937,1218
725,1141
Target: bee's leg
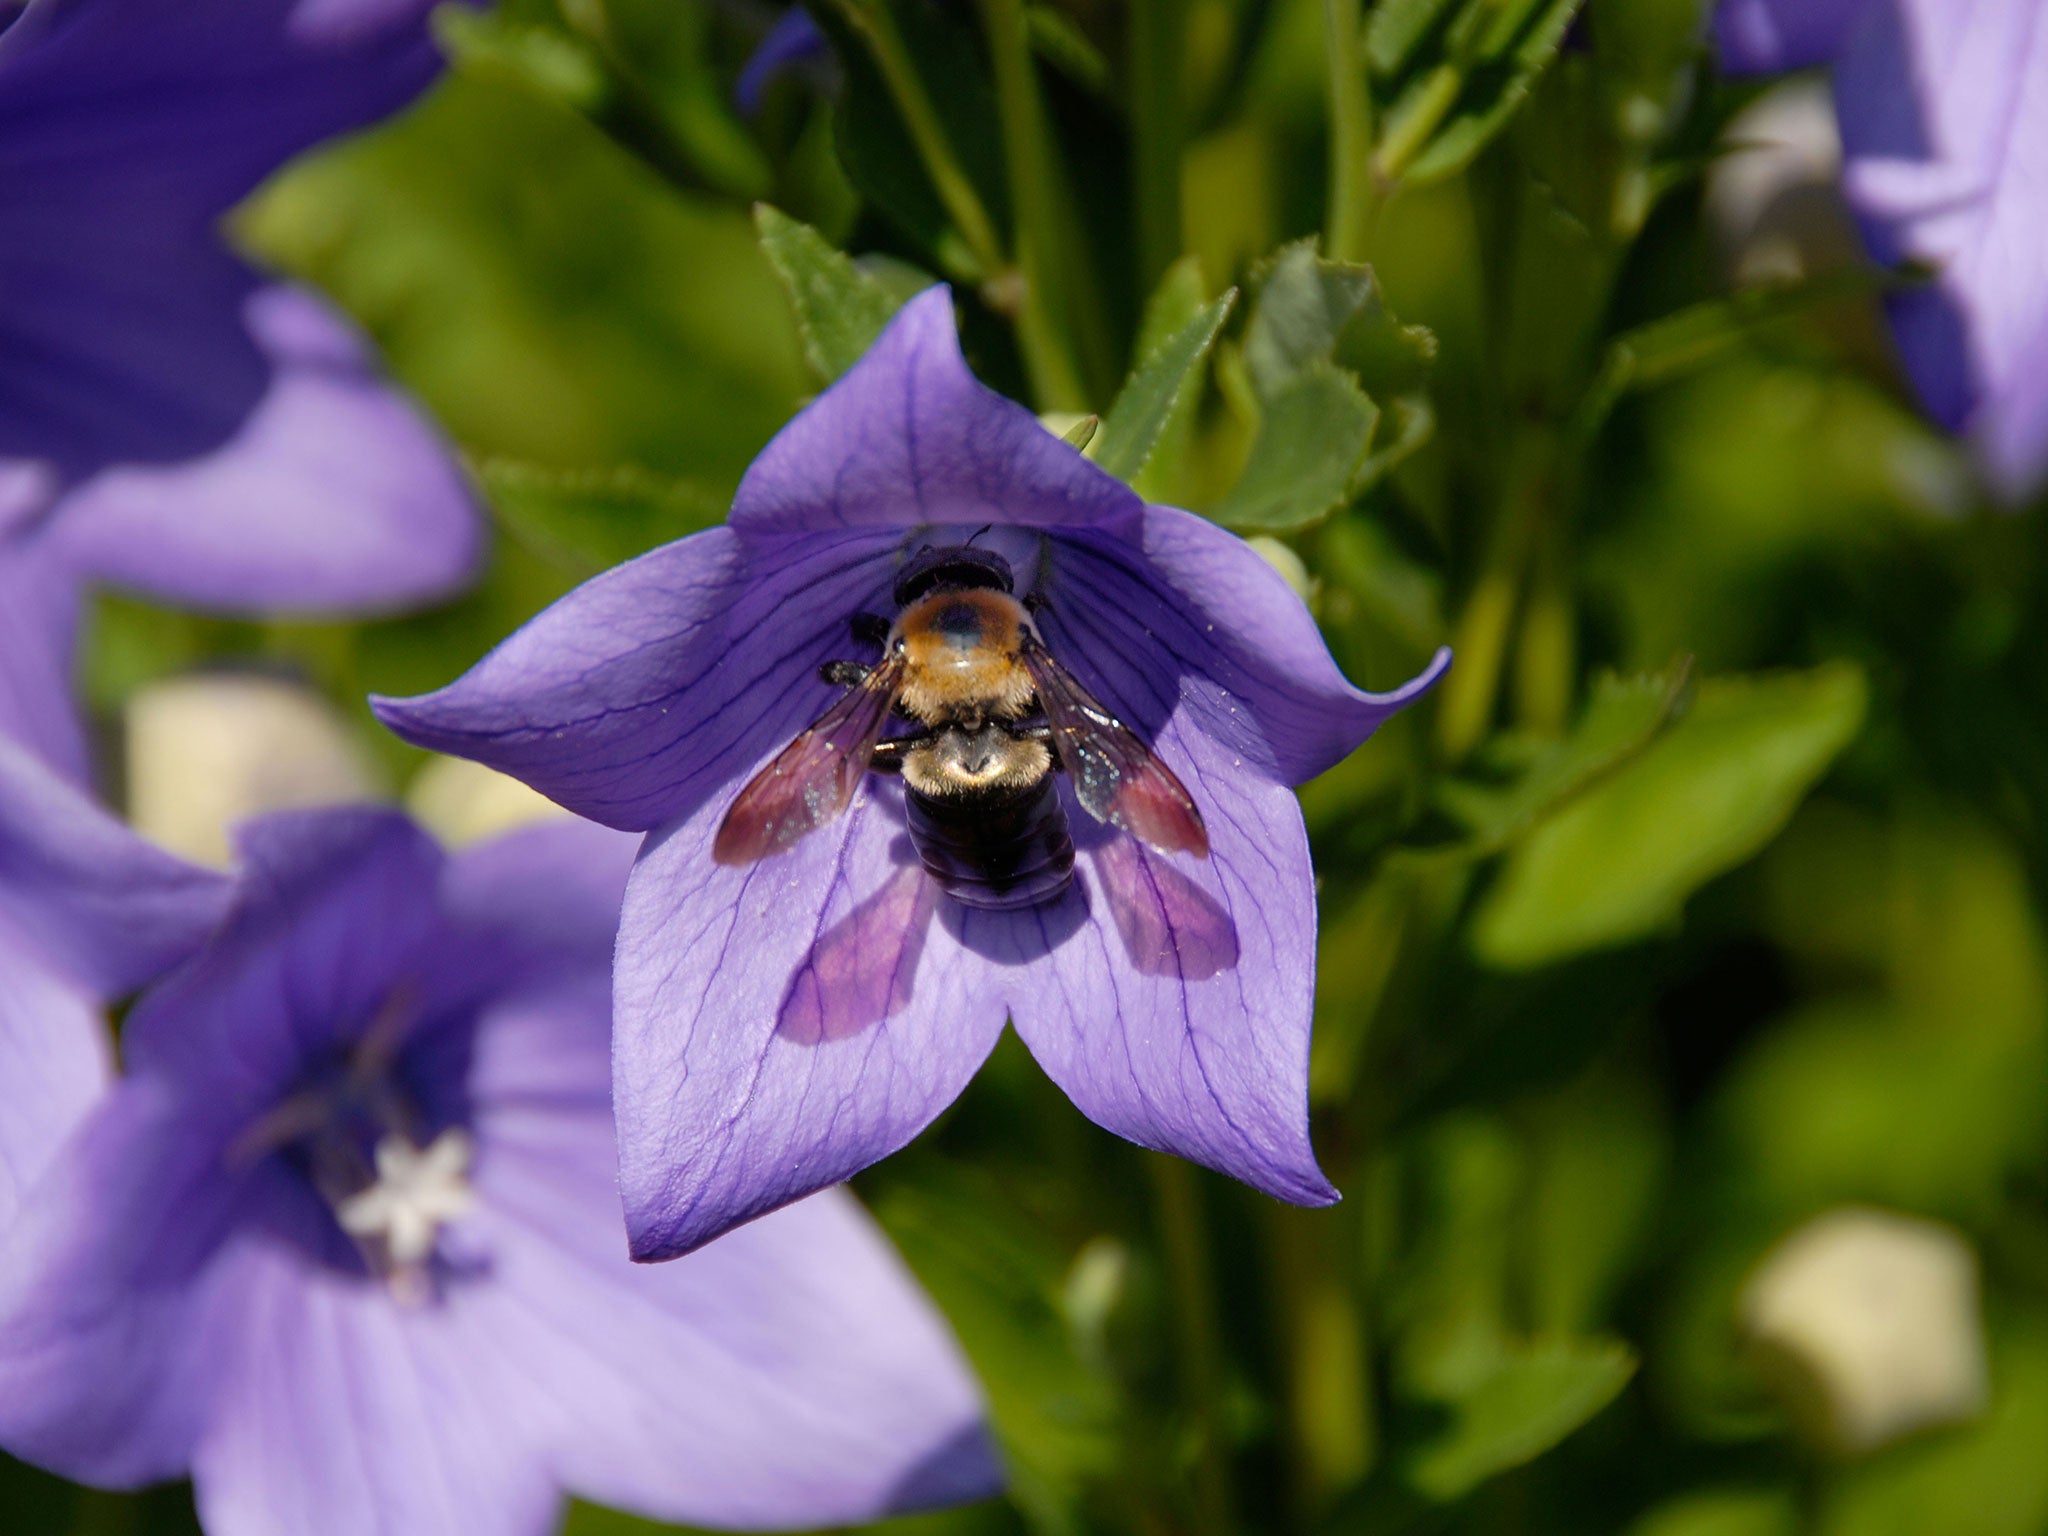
1042,734
1035,602
888,755
870,629
844,674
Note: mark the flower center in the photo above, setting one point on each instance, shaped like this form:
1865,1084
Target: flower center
356,1134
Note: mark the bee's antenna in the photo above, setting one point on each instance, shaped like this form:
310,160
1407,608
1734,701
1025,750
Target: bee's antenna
984,528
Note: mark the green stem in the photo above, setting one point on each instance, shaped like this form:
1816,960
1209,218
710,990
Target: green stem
1416,122
1185,1236
1331,1433
1481,641
1055,378
1354,193
874,23
1546,659
1158,53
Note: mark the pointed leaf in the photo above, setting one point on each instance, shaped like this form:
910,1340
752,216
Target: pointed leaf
1619,861
1149,399
840,310
1311,442
1540,1392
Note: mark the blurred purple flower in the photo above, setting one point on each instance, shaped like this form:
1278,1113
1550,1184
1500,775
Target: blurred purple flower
170,420
344,1243
783,1024
793,41
88,911
1944,126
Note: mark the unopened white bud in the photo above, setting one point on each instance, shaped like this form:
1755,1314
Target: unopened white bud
461,802
1870,1325
213,749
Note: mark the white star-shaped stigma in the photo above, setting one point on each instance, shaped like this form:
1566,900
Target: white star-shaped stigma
417,1191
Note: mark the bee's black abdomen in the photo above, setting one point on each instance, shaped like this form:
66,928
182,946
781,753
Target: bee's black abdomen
1002,852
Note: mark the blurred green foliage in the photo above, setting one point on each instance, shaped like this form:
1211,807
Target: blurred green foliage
1704,897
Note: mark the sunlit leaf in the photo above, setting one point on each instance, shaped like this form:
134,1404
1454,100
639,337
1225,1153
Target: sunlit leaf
1618,862
1538,1394
840,309
1311,441
1729,1512
1147,402
1621,718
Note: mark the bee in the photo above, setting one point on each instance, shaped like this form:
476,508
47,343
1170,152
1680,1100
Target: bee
993,716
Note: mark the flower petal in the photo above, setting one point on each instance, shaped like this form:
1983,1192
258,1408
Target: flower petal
348,1412
643,692
908,436
126,129
1769,36
101,904
551,888
1177,1015
794,39
38,628
332,493
334,918
789,1374
1945,144
54,1061
739,1087
1199,602
117,1313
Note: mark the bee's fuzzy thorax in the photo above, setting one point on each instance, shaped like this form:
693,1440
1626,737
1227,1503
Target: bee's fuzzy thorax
963,656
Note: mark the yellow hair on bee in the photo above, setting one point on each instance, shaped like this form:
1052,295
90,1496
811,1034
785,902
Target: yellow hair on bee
963,656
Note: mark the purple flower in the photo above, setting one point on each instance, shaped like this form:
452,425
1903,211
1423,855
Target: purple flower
343,1242
792,42
784,1023
171,420
88,912
1945,147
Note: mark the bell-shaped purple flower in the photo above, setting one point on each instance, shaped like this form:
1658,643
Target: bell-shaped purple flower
1944,126
783,1023
343,1241
171,420
88,911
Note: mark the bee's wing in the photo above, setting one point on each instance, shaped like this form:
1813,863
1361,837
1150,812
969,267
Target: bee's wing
1116,777
812,779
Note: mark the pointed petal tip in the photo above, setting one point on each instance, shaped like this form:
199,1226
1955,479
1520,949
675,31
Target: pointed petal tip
963,1468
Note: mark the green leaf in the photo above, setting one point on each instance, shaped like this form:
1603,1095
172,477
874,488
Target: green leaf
1622,717
999,1277
1321,352
586,521
1304,305
1311,441
1398,29
877,149
1730,1512
1619,860
840,309
1540,1391
1155,391
1445,87
541,319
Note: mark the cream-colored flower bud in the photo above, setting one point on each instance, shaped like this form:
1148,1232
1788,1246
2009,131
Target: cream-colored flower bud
1870,1326
209,750
461,802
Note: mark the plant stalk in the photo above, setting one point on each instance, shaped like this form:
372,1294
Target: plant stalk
1354,192
1184,1233
1055,377
1158,59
